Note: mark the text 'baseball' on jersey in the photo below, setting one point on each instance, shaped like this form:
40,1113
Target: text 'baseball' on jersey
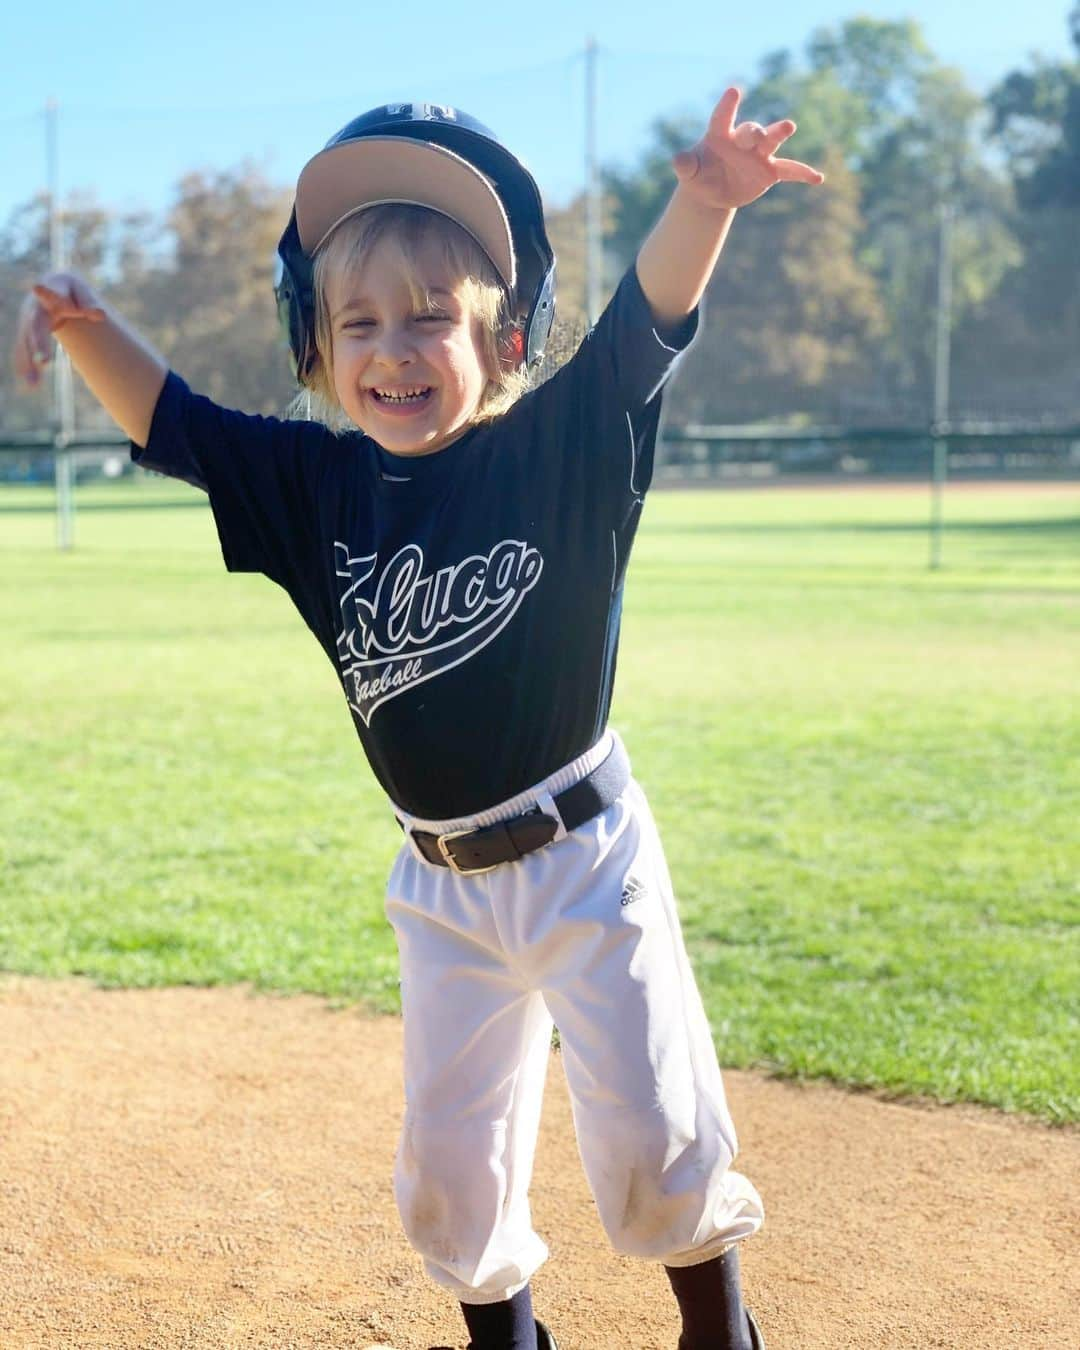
402,626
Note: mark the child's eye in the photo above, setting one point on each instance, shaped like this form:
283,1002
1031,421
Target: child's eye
358,323
432,316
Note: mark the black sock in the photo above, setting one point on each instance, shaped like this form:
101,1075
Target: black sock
508,1325
710,1300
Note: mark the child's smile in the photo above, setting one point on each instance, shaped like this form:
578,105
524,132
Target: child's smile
409,374
403,402
401,398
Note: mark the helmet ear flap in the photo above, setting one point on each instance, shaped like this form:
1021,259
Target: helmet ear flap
293,292
541,317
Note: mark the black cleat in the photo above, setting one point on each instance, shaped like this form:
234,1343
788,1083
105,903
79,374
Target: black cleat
544,1339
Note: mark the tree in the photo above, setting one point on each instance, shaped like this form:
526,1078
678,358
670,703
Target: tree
197,282
205,294
1028,329
853,88
1036,117
871,95
638,195
933,159
789,317
566,233
90,239
791,310
911,131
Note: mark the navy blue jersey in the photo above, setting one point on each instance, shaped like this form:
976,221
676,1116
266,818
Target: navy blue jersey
469,599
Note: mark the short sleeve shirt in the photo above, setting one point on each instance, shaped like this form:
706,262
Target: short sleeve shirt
470,599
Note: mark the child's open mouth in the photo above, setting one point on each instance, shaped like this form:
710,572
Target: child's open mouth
402,400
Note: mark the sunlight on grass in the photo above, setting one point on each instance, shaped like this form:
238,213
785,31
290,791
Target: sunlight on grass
865,774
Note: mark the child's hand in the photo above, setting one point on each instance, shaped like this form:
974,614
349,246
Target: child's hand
733,165
59,298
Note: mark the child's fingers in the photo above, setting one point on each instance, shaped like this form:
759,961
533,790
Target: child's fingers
41,346
63,316
61,306
793,171
51,304
36,352
722,121
749,136
50,299
30,354
32,347
776,133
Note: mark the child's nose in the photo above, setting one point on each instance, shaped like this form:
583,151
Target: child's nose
395,347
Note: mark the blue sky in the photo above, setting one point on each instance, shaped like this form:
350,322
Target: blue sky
149,91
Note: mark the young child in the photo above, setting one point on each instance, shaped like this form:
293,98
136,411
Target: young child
459,548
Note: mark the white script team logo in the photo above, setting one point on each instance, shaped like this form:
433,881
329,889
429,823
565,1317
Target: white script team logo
402,626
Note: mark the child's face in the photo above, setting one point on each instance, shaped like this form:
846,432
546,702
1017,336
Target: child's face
409,376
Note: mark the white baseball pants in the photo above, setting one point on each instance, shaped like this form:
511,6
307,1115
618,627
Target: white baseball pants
582,933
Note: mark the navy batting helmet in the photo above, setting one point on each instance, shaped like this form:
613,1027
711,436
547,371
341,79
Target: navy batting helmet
425,154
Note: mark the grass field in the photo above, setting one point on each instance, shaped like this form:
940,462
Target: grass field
867,774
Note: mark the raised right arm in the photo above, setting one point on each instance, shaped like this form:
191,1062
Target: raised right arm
123,372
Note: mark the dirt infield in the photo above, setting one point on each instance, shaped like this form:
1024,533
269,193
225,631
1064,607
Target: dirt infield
191,1168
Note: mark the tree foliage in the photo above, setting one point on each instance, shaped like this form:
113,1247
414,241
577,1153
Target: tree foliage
1028,328
208,302
197,282
825,302
790,319
1036,116
905,138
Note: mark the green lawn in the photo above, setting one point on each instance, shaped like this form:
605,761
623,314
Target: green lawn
867,774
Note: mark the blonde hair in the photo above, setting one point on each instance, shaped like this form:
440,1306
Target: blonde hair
407,229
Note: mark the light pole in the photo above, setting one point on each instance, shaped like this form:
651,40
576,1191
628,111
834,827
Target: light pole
63,389
593,247
941,376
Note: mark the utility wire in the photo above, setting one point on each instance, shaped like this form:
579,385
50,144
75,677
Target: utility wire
182,111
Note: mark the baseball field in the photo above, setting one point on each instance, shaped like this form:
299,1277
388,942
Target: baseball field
867,776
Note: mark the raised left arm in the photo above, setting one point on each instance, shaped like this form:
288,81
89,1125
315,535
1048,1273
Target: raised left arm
729,167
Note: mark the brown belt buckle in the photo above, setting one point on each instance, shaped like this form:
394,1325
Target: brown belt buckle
451,862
